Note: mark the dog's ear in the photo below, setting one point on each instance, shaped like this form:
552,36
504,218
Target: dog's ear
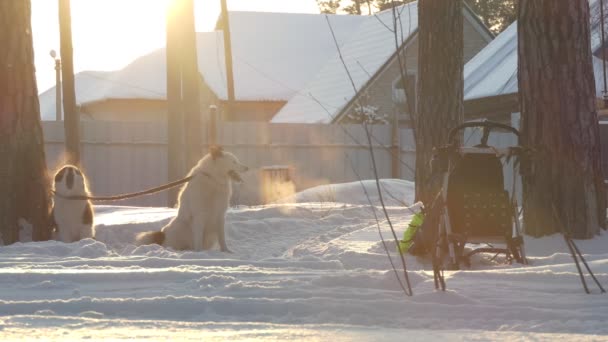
216,151
59,175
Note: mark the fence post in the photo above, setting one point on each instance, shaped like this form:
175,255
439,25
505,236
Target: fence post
396,147
212,125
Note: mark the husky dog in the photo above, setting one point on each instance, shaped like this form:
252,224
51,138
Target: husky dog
202,205
72,218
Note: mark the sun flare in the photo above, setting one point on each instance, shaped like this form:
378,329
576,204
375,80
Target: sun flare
109,34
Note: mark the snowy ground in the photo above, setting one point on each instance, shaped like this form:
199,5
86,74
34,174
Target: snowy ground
314,271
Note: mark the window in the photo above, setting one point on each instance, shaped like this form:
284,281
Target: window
403,88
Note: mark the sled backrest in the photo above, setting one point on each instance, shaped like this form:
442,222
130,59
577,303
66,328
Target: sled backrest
477,201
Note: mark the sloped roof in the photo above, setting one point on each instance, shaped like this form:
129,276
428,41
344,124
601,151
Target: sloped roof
493,71
142,79
369,50
274,55
364,54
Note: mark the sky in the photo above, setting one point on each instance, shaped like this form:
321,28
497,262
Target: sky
108,34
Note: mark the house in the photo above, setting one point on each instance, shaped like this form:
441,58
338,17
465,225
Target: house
274,55
490,78
372,61
279,59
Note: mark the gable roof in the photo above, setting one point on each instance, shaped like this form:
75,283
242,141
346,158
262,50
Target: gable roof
274,55
493,71
370,50
321,100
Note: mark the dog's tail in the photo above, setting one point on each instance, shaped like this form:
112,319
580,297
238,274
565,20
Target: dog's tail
148,238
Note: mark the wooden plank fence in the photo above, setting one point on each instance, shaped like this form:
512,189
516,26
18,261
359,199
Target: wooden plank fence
121,157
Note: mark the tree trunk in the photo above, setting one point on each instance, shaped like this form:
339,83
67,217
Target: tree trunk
559,119
175,116
24,184
191,79
71,118
183,92
440,83
357,4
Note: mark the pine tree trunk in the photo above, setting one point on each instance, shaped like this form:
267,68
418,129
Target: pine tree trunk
559,119
183,94
24,182
357,4
175,115
440,83
191,79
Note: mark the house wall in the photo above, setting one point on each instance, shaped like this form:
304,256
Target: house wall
380,92
474,41
247,111
134,110
253,111
128,110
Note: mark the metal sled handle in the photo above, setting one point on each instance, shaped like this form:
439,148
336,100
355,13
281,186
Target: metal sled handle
484,124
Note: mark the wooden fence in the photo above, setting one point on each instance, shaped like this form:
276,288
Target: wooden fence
121,157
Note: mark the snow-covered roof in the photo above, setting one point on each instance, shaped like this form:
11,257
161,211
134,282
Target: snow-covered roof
142,79
369,49
493,71
274,55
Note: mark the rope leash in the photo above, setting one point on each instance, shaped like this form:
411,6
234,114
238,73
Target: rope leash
129,195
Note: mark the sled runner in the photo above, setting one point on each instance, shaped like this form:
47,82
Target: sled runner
474,207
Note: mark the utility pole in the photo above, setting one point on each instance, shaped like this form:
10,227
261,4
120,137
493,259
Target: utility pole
395,146
228,57
57,85
71,119
212,126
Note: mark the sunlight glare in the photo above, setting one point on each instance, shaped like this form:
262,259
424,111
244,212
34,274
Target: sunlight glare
109,34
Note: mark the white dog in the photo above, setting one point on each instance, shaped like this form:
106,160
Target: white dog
72,218
202,205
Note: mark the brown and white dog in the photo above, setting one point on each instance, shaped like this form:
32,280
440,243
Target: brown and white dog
202,206
73,218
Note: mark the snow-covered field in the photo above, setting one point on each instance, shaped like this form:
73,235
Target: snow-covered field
305,271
